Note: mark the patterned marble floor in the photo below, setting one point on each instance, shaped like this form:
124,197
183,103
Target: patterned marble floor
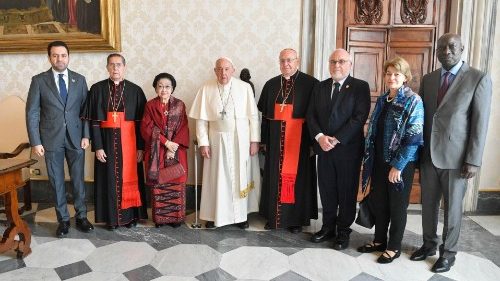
229,253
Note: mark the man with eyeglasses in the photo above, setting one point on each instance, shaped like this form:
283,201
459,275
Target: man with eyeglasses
115,107
337,114
288,197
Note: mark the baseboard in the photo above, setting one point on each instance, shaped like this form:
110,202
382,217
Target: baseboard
41,192
488,202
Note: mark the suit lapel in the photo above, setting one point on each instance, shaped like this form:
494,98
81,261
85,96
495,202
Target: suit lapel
326,98
72,82
455,85
342,93
51,84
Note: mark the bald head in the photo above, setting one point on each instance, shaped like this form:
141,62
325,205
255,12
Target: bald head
449,50
340,64
224,70
289,62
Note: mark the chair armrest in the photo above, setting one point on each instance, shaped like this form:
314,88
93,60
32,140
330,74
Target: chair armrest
16,151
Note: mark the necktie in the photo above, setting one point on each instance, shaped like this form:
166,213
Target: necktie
336,91
444,87
62,88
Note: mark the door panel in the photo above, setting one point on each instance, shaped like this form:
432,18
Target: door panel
407,28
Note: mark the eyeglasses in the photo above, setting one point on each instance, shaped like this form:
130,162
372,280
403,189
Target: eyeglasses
115,65
288,60
160,87
340,62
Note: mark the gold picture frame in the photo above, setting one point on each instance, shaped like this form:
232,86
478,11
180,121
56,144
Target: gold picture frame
26,29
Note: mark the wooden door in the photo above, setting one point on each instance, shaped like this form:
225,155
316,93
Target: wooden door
374,31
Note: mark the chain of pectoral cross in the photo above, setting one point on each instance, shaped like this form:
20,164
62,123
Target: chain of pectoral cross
112,101
224,104
285,94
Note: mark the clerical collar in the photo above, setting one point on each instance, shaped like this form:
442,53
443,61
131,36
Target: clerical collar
293,76
112,83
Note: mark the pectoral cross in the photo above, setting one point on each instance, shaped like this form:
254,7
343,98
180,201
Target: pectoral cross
222,113
114,116
282,106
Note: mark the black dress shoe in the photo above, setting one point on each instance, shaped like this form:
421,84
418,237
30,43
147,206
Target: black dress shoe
342,242
243,225
443,264
62,229
175,224
209,224
111,227
84,225
386,258
322,235
131,224
295,229
422,253
371,247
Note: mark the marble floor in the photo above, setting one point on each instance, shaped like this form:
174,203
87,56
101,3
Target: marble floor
229,253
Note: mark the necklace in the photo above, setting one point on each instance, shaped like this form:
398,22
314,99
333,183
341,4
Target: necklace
285,94
112,101
166,106
224,104
389,99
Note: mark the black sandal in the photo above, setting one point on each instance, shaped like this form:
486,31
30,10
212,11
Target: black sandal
371,247
386,257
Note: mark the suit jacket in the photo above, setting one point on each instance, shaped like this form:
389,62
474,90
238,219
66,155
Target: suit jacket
455,132
48,119
344,119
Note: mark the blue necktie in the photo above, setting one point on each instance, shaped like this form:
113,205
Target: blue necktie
62,88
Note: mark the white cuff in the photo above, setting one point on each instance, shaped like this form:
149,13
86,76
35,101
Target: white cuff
318,136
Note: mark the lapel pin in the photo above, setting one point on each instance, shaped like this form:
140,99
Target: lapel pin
73,80
347,86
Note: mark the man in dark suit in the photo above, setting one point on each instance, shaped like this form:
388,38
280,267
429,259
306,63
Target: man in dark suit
55,130
457,102
337,113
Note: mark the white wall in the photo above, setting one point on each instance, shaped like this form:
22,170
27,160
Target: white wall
183,38
490,171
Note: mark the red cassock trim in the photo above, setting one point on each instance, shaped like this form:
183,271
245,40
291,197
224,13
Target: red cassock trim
130,180
291,151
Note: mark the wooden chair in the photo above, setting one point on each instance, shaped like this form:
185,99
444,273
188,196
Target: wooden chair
14,140
27,187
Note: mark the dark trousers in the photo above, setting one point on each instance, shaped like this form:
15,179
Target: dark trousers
389,204
338,180
75,157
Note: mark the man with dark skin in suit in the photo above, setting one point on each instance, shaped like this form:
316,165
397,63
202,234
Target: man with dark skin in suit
457,105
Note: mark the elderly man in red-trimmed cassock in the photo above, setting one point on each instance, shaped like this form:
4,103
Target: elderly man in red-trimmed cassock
115,107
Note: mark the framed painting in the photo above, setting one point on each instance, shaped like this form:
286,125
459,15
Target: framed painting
85,25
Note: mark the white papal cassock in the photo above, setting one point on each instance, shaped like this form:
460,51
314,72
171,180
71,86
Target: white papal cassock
227,121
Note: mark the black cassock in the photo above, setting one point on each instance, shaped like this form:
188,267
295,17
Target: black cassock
305,208
108,176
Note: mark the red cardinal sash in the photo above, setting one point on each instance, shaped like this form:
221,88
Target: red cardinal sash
291,151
